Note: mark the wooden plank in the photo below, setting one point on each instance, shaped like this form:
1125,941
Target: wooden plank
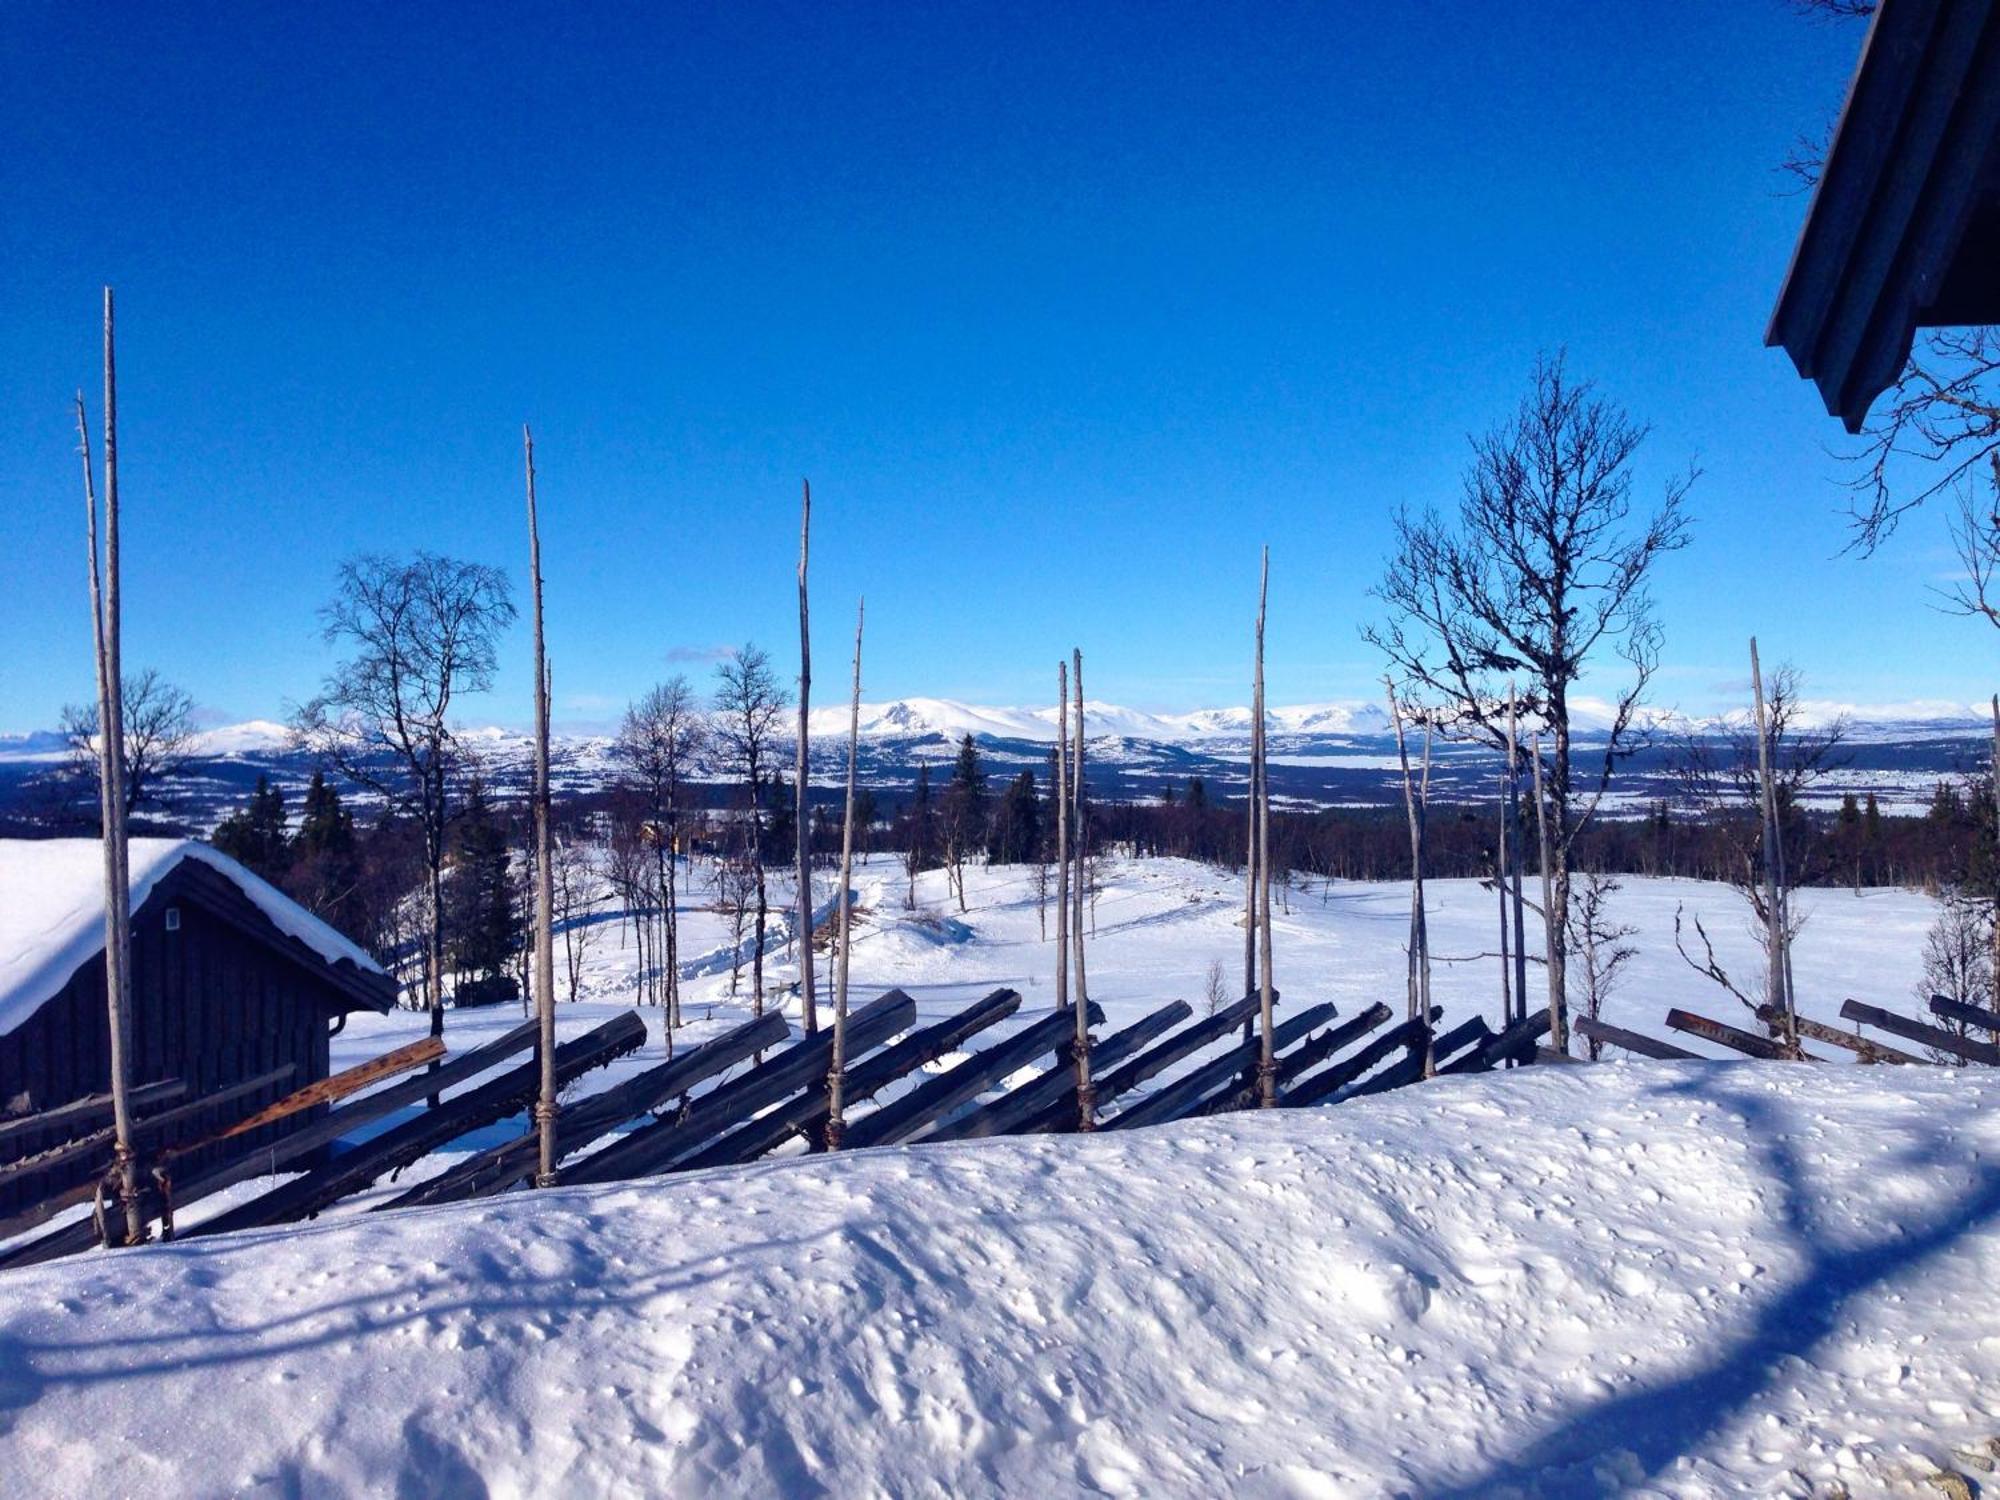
1148,1064
799,1068
1311,1054
1550,1055
921,1048
1469,1038
1317,1086
1968,1015
807,1112
1007,1114
338,1086
1516,1041
79,1113
580,1124
1635,1042
264,1160
1918,1031
42,1211
936,1097
1474,1039
151,1131
1288,1063
1399,1074
1220,1076
1746,1042
397,1147
1865,1048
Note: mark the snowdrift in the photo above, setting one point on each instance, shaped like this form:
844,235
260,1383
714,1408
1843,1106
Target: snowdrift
1689,1279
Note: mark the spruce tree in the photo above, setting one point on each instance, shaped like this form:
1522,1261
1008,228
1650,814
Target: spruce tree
254,835
482,914
1016,833
323,865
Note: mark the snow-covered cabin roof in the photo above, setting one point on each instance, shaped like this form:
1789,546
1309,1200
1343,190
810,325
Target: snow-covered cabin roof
52,912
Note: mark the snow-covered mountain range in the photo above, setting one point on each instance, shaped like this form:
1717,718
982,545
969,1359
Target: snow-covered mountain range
1322,754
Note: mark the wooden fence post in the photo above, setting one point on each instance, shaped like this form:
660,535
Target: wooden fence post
836,1075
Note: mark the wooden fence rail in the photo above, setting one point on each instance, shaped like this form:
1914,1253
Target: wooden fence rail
1635,1042
807,1113
1315,1087
1733,1037
1220,1076
656,1148
512,1162
1008,1114
402,1144
932,1100
1917,1031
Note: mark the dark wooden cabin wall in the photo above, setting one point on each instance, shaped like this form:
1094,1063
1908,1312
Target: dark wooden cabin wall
212,1004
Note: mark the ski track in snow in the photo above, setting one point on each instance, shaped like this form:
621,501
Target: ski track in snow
1682,1279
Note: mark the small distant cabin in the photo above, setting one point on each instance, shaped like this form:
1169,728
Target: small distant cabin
231,978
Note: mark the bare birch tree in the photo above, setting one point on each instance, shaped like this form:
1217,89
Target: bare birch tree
748,705
423,633
159,736
659,741
1544,570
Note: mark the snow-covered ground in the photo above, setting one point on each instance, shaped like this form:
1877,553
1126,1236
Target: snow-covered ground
1684,1279
1159,923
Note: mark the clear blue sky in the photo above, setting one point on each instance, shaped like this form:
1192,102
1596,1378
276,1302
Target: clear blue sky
1063,308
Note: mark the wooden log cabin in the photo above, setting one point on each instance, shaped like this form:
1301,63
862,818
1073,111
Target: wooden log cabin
231,980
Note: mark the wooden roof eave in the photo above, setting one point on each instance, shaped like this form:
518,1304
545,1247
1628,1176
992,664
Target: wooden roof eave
1904,227
219,896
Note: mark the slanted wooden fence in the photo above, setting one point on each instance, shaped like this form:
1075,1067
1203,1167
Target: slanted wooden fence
753,1091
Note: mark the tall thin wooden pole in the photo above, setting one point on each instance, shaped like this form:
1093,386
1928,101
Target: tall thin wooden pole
1417,976
1086,1090
546,1103
836,1074
1514,819
1558,1007
1501,866
106,613
1995,779
1423,912
1267,1063
1062,834
1774,914
803,923
1250,849
1078,835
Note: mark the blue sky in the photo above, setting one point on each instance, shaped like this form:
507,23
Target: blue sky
1063,308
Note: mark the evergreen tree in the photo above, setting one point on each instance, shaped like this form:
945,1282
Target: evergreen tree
779,824
964,813
483,918
1016,833
254,835
919,832
325,826
325,870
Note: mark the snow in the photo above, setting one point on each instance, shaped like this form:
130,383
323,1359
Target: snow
950,718
52,912
909,717
1692,1279
1685,1279
251,737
